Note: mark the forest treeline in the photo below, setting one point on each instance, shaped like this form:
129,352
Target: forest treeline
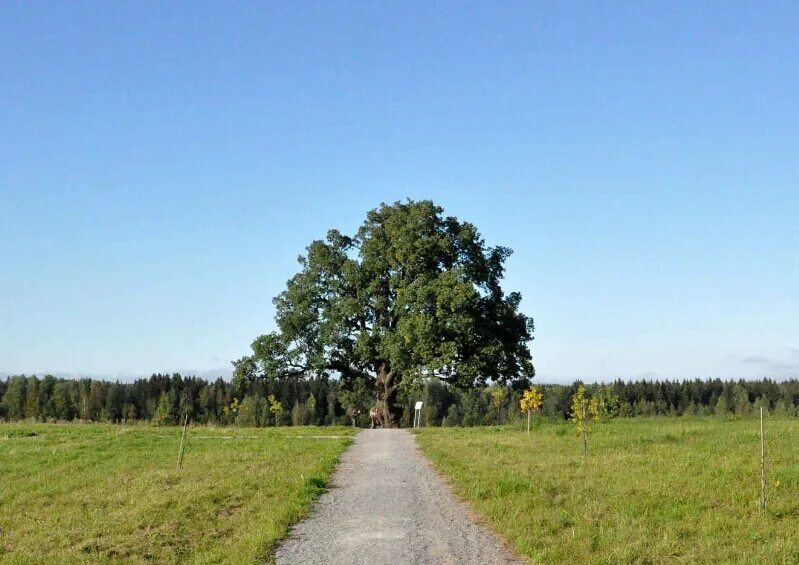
166,399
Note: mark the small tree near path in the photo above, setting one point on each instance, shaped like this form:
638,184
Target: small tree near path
275,407
583,410
531,401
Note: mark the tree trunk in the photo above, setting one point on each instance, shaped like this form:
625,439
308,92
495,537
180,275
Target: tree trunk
585,431
386,392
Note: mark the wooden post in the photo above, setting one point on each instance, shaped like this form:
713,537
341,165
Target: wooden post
585,434
528,421
762,465
183,441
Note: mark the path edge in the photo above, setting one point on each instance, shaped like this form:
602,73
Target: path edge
474,515
267,554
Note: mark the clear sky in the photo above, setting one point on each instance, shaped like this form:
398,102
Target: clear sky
162,165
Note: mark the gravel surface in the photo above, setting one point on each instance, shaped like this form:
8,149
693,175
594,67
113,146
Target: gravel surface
387,505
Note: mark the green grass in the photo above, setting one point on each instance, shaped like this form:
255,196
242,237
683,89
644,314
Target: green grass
73,493
665,490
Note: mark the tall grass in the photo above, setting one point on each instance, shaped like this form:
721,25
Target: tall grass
99,493
664,490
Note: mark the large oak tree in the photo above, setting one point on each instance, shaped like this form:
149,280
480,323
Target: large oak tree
413,294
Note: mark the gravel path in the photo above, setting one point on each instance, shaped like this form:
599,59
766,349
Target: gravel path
387,505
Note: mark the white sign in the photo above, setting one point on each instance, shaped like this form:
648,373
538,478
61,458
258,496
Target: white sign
419,405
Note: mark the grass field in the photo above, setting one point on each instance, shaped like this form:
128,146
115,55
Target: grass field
665,490
103,494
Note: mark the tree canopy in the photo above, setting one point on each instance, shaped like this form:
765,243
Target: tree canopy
412,294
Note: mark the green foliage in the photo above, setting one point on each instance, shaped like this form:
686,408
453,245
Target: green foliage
740,398
96,401
249,411
359,396
412,294
62,404
32,399
498,395
299,415
474,407
435,396
580,413
721,408
164,415
14,398
608,404
275,407
583,411
231,412
205,401
453,417
761,402
310,406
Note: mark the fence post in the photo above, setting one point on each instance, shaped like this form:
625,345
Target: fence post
585,432
183,441
762,464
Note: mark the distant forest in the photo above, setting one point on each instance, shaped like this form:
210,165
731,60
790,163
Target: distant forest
166,399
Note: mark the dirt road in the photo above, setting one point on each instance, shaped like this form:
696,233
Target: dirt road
387,505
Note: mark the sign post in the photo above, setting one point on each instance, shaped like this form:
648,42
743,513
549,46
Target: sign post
417,415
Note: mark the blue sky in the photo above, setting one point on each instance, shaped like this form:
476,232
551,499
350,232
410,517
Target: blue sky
162,166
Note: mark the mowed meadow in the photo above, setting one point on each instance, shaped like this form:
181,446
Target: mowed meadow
98,493
651,490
